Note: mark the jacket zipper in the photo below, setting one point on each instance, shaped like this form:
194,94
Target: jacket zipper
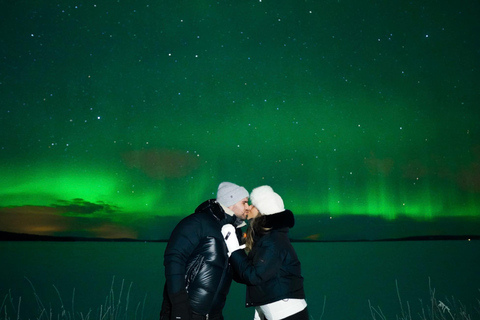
225,270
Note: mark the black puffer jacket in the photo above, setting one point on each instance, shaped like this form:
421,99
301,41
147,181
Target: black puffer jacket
196,260
271,270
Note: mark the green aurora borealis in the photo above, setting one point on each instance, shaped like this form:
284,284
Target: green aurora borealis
118,117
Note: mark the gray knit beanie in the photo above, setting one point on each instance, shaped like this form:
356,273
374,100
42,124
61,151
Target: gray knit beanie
229,193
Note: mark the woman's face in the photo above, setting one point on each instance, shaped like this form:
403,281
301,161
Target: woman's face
252,212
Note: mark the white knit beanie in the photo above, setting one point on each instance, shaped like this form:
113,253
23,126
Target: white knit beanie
266,200
229,193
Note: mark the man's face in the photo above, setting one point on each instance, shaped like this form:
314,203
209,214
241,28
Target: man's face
240,208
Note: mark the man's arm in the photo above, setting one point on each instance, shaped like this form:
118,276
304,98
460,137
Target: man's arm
183,241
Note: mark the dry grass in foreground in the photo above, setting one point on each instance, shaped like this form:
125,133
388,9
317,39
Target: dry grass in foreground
115,307
435,309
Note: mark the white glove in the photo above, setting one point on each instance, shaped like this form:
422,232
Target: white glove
230,238
258,315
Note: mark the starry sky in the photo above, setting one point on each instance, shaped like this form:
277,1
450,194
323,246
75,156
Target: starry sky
119,117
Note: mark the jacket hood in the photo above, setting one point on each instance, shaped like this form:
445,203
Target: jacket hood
215,208
284,219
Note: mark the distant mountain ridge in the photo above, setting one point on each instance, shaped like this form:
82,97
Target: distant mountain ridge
11,236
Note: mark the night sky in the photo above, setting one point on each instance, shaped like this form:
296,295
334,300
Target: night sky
119,117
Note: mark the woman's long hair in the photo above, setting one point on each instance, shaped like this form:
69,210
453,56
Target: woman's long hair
255,229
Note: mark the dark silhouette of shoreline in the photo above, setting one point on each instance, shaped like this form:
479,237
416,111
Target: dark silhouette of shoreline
11,236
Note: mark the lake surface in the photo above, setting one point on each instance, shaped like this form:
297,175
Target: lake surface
341,278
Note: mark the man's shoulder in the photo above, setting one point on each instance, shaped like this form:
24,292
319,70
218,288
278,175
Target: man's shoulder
211,208
199,216
208,206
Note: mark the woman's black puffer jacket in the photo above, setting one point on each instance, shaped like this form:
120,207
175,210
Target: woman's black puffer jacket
196,258
271,271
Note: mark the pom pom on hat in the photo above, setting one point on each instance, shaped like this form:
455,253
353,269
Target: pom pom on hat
229,193
266,200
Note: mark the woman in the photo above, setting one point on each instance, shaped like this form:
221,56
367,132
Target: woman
271,270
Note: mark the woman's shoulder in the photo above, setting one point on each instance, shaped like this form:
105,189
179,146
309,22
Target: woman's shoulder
281,235
274,237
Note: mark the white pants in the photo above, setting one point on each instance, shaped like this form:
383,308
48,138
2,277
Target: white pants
280,309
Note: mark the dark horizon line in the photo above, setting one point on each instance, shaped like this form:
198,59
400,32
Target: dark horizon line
12,236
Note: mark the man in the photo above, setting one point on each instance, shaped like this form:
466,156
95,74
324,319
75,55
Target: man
197,272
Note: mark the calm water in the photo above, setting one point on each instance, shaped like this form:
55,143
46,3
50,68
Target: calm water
344,275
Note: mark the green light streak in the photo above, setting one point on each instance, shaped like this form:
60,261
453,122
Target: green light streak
44,186
383,197
134,194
